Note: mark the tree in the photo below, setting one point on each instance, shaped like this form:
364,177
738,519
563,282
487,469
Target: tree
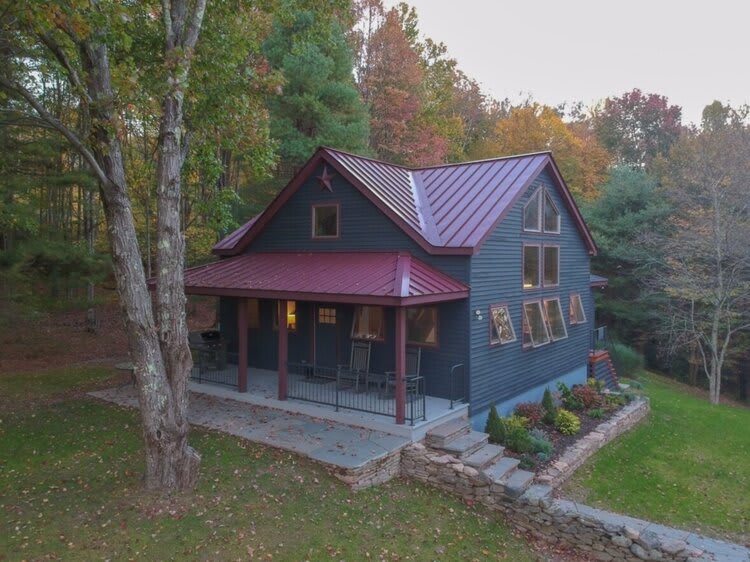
81,39
533,128
706,269
319,104
636,127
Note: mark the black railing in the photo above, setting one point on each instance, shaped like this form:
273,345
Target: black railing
457,384
361,391
214,366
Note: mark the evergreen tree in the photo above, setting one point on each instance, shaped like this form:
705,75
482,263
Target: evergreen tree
494,427
319,104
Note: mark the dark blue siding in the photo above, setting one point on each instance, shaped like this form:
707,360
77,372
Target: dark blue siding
499,373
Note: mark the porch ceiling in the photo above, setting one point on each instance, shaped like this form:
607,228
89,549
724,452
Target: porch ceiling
392,279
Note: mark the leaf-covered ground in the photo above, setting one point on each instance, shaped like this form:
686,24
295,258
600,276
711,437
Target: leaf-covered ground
69,489
688,465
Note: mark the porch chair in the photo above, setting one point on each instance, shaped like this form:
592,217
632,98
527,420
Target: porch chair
413,362
359,365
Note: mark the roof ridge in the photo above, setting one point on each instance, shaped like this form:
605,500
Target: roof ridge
484,160
371,159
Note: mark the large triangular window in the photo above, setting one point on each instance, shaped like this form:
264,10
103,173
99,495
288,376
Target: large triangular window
532,213
551,216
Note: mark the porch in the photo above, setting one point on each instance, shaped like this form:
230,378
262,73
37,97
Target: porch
323,398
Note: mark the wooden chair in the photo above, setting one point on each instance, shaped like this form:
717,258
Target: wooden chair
358,367
413,364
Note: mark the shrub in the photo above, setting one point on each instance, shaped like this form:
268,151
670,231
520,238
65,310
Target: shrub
588,396
517,437
569,400
541,447
615,400
539,433
596,413
567,422
495,427
595,383
527,463
531,411
627,360
550,409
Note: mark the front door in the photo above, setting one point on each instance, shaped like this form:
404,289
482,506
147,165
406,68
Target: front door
326,340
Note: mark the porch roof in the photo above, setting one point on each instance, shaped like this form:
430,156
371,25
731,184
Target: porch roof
392,279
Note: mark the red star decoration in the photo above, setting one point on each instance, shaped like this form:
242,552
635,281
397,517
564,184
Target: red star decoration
325,180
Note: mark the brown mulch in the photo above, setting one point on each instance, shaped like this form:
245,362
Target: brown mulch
30,343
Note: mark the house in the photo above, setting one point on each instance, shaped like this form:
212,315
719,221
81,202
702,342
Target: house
479,271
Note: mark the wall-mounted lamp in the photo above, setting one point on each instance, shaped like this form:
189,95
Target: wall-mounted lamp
478,314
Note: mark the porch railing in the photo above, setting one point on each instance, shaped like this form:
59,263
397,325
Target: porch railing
458,384
214,366
363,392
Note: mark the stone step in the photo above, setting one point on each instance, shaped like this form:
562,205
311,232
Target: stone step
500,469
484,456
517,482
442,434
465,445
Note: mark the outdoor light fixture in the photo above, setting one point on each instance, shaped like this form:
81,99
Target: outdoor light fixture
478,314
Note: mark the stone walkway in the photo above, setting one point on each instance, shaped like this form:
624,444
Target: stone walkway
331,443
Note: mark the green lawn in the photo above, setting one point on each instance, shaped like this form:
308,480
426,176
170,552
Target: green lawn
688,465
69,489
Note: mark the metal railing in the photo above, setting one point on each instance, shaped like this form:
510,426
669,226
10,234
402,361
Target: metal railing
361,391
457,384
214,366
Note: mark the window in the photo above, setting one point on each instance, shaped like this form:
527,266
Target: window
421,325
501,326
577,314
541,206
532,213
325,221
551,265
326,315
551,216
291,316
368,323
253,314
530,267
534,327
555,320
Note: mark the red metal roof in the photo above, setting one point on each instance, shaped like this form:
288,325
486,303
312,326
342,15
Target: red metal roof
363,278
446,209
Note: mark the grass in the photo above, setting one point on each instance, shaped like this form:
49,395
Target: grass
686,466
70,489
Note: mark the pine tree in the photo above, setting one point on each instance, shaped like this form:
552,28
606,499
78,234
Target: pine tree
494,427
550,410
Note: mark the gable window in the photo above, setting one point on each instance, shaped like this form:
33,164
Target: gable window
555,321
291,316
551,265
325,220
532,216
577,313
531,271
368,323
501,326
551,216
421,325
534,326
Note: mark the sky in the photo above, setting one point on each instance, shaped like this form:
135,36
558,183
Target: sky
693,52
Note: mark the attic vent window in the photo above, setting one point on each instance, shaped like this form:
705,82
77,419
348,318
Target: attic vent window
325,221
540,214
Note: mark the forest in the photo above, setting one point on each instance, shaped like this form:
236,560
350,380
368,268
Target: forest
271,80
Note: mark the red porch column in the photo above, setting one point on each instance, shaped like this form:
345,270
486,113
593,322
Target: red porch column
400,364
241,345
283,348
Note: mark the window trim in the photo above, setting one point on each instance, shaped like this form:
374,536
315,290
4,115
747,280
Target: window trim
435,345
570,309
354,320
549,323
538,193
540,266
491,322
316,206
328,317
547,198
275,316
544,263
532,345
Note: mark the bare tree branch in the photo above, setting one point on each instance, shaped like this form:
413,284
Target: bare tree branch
57,125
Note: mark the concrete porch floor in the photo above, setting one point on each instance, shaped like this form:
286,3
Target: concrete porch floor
263,391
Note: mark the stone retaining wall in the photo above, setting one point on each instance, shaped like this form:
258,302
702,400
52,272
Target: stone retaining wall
371,474
575,455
